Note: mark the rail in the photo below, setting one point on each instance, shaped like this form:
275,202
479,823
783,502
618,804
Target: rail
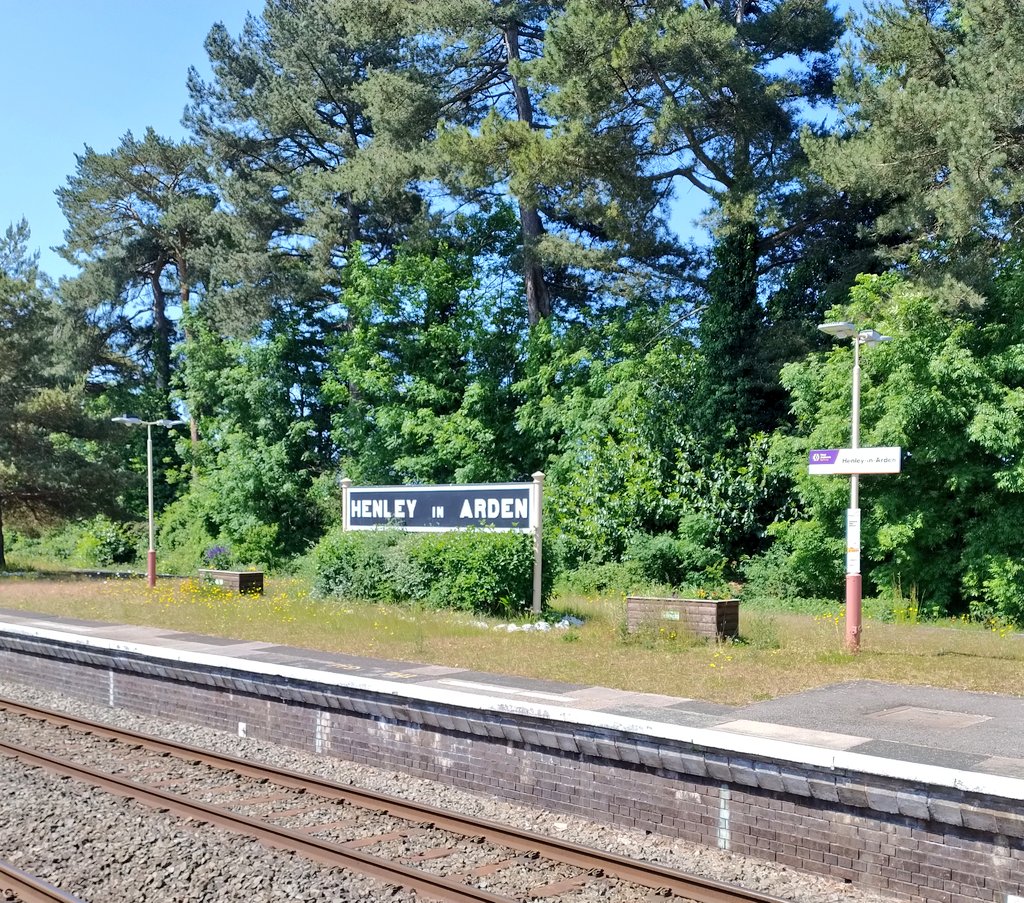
595,865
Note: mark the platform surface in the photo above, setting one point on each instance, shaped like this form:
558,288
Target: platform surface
980,733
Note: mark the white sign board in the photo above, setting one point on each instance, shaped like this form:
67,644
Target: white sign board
855,460
853,540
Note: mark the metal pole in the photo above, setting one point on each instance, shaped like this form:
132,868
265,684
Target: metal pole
854,587
151,555
538,545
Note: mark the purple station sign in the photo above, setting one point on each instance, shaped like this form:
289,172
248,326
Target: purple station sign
855,460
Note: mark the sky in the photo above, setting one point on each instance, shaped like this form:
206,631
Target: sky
85,72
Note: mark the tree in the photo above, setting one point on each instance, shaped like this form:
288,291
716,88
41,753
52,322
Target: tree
931,96
138,218
292,119
52,458
424,383
647,94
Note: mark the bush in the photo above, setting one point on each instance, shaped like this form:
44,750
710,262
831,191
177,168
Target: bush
102,542
689,556
360,565
800,564
1000,597
99,542
185,534
595,579
478,571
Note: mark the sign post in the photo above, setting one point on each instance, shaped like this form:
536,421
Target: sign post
854,461
846,330
538,552
506,507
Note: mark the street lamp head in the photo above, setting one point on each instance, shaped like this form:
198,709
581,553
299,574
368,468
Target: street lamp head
842,330
169,423
845,330
872,337
125,419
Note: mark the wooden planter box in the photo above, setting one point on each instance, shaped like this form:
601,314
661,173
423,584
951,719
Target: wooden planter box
711,618
239,581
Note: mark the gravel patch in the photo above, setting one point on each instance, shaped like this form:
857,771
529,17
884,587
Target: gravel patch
103,848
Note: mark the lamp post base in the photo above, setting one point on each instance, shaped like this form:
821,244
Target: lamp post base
151,567
853,599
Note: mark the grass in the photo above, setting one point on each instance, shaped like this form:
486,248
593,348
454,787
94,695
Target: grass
778,652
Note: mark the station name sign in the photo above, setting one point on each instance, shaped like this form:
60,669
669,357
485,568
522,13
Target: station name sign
493,506
887,459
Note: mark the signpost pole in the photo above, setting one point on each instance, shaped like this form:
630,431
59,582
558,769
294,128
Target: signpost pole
845,330
854,588
538,523
346,485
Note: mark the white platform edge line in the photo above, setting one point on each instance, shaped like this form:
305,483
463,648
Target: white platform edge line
717,741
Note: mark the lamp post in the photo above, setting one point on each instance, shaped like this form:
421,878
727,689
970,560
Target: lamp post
149,424
854,587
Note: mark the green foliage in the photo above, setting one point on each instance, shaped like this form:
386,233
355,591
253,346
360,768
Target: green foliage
804,561
616,428
138,218
610,577
95,543
432,242
931,96
487,573
103,542
361,565
739,491
54,459
477,571
945,389
689,556
249,499
185,533
422,380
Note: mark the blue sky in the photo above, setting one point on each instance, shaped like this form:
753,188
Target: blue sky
77,73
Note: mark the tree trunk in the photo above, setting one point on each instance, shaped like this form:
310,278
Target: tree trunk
538,301
181,263
161,336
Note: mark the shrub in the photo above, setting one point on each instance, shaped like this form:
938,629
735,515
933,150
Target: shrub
801,563
478,571
687,556
358,565
609,577
185,534
1002,591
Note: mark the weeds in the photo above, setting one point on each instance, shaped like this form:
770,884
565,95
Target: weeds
777,653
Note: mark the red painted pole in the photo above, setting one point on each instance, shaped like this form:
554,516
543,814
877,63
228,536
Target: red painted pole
853,604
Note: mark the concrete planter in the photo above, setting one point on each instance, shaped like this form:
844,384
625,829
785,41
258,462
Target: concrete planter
711,618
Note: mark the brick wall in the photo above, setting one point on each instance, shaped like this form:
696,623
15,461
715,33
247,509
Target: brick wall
914,842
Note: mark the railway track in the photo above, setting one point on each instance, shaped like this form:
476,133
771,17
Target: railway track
438,854
17,886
